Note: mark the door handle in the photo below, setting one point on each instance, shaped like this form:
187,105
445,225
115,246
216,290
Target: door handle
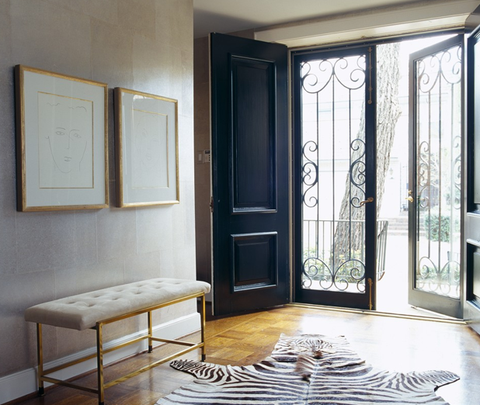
409,198
368,200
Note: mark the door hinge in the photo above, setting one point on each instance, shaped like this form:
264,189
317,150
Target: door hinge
370,302
211,204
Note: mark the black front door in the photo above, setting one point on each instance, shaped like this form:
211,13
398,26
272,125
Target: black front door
250,174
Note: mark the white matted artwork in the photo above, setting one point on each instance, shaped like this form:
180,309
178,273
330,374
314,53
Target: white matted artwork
146,149
61,141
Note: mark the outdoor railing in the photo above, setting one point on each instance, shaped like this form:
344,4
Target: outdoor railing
319,242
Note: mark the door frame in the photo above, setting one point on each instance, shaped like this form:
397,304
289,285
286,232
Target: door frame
297,251
471,240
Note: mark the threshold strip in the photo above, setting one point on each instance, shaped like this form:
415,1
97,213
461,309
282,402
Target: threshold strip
379,313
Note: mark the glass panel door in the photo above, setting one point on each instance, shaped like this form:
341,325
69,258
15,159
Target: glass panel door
435,196
335,177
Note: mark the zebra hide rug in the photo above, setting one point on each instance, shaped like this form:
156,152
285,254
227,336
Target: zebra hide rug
306,370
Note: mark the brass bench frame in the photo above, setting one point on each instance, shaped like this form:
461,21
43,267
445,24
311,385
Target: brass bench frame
42,374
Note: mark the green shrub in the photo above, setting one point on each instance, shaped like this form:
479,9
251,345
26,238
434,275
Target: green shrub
437,227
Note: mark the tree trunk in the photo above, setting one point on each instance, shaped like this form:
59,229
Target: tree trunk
349,237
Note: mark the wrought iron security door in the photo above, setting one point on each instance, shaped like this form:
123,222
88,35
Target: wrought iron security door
435,200
334,116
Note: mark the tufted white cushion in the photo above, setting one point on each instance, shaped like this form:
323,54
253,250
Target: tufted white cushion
83,311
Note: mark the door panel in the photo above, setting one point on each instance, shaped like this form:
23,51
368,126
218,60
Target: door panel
254,261
335,210
250,174
253,131
435,208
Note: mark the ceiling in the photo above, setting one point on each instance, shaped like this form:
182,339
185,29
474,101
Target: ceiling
226,16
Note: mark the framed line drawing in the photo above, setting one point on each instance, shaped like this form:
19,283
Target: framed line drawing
146,149
62,153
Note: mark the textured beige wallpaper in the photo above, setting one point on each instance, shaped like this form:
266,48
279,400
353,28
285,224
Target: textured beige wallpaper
145,45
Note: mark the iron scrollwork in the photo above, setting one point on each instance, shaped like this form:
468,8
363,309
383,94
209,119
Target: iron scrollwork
322,81
349,273
357,172
439,163
309,175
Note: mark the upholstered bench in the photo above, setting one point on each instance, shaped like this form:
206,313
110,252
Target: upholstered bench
93,310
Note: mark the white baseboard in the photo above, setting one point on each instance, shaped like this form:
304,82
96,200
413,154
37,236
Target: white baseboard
17,385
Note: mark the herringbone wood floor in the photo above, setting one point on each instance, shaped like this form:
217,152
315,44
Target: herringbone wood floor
388,343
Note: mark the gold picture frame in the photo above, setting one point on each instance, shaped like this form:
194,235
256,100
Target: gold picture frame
146,149
62,138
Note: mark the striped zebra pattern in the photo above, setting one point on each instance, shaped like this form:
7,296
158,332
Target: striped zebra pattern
306,370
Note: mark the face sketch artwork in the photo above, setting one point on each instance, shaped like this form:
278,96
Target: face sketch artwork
149,150
65,142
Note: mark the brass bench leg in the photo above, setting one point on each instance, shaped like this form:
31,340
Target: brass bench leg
41,388
150,332
202,327
101,389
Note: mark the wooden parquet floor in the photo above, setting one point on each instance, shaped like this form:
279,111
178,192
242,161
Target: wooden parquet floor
385,342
